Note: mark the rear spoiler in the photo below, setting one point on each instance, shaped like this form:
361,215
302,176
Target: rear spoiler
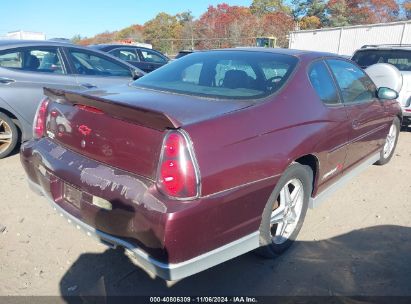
134,114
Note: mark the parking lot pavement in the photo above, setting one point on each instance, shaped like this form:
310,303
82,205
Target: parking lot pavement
357,243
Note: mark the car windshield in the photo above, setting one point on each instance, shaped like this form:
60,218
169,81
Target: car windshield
223,74
401,59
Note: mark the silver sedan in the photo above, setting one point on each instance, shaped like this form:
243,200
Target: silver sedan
26,67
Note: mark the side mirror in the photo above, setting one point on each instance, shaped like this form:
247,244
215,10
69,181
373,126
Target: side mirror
387,93
136,74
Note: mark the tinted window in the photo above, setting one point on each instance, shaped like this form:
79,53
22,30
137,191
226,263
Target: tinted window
151,56
43,60
322,83
273,70
355,85
221,74
86,63
11,60
192,73
399,58
242,69
125,54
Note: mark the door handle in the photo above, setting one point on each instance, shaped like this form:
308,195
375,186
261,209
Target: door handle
88,85
355,124
4,80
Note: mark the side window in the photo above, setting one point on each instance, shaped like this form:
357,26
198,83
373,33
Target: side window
151,56
125,54
273,69
192,73
43,60
12,60
403,64
86,63
322,83
355,85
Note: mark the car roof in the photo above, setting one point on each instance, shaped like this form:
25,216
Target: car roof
293,52
290,52
406,47
7,44
117,45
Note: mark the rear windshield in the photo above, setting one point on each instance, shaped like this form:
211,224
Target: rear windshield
401,59
223,74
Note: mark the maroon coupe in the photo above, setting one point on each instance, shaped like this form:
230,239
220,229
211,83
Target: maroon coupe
211,156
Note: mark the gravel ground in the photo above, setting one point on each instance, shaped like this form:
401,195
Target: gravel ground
357,243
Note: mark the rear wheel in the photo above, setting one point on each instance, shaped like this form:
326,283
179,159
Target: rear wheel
390,143
285,211
8,135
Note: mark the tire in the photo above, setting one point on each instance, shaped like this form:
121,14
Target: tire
390,143
8,135
272,241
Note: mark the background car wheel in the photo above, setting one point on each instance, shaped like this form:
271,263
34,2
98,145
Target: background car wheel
285,211
390,143
8,135
405,124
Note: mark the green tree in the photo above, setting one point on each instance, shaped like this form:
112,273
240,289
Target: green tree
338,13
310,9
261,7
76,39
162,31
406,5
186,20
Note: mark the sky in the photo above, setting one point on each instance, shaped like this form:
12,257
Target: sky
64,19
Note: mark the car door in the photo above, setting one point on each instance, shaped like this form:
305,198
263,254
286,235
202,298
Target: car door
365,111
151,60
94,70
333,146
26,71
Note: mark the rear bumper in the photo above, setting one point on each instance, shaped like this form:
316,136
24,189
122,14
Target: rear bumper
167,271
172,239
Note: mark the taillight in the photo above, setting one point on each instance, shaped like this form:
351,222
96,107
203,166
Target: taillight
39,124
178,175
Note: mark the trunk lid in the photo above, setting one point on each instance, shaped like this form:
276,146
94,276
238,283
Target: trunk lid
124,126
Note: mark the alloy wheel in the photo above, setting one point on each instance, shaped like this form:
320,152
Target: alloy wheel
6,136
287,211
390,141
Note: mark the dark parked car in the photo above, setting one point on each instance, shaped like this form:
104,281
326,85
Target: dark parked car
216,154
145,59
28,66
183,53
